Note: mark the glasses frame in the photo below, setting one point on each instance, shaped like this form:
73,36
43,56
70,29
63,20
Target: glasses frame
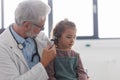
41,27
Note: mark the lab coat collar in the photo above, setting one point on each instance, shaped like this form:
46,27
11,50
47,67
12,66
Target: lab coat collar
9,40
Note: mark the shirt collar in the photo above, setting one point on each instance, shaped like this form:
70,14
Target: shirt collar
18,38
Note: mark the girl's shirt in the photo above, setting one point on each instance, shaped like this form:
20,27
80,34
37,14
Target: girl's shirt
66,66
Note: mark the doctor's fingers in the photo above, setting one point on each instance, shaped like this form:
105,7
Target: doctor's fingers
53,48
47,56
49,53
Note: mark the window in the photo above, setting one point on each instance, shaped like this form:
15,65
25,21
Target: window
78,11
9,11
108,18
0,15
103,24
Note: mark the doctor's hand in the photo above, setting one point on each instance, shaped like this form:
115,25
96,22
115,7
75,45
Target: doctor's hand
48,55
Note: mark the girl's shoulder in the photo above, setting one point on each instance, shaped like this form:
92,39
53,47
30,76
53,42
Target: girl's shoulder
75,53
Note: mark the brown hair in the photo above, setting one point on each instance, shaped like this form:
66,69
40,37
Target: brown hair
61,27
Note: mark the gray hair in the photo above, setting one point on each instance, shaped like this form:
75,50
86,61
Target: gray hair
31,10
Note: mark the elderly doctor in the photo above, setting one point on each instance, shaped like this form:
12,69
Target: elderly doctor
24,50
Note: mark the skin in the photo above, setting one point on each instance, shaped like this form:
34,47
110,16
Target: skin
67,39
29,30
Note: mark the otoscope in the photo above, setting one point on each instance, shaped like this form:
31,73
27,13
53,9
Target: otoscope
52,42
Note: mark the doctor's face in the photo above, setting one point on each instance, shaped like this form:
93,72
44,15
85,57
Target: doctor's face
35,29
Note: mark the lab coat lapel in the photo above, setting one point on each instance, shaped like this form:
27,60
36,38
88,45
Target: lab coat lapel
13,45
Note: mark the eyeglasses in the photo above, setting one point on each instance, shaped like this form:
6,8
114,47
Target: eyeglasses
41,27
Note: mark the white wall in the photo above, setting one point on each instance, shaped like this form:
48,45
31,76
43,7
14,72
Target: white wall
101,58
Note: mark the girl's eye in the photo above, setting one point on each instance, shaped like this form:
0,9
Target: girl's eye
69,37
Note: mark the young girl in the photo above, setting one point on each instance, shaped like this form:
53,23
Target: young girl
67,65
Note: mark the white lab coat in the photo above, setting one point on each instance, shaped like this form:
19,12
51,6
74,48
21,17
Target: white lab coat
12,62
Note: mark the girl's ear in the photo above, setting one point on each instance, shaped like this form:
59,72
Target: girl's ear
55,40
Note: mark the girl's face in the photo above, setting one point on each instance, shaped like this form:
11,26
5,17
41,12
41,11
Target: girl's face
67,39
